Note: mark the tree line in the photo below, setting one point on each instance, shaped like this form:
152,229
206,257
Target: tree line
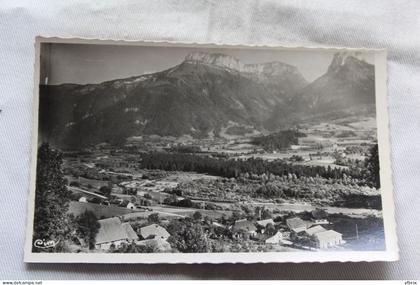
278,141
235,167
51,221
367,172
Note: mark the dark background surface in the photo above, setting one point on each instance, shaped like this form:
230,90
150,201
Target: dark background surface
331,270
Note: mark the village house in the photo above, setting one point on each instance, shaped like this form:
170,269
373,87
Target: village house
113,232
83,199
154,231
128,205
157,243
245,225
261,225
131,234
315,229
320,222
275,239
326,239
297,225
264,223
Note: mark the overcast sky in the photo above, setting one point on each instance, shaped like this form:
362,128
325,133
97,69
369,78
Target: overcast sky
85,63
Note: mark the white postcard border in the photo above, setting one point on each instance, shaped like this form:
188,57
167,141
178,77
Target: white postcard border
389,254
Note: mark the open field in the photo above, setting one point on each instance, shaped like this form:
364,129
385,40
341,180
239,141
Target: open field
100,211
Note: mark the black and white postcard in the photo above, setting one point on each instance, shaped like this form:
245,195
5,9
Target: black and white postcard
155,152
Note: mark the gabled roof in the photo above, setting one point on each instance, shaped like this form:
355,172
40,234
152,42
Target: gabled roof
294,223
125,203
159,243
328,235
244,225
155,231
265,222
110,230
274,237
131,234
314,230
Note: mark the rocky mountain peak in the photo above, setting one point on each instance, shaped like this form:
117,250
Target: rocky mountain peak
341,59
217,59
274,68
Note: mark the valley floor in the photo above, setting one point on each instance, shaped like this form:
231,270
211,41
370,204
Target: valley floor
199,190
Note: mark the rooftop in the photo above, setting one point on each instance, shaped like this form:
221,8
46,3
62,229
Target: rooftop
294,223
131,234
314,230
154,230
327,235
244,224
112,230
265,222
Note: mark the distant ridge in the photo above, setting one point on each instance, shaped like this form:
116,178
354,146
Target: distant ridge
201,96
347,88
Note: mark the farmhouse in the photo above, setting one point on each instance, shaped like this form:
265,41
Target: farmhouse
160,245
297,224
246,226
328,239
314,230
264,223
131,234
83,199
154,231
275,239
261,225
113,232
128,205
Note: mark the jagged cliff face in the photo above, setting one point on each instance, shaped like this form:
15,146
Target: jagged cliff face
215,60
259,70
349,82
282,79
200,96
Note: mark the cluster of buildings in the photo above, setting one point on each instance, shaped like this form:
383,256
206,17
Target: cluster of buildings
321,237
298,229
113,233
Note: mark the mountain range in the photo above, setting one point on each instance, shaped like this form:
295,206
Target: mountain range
201,96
